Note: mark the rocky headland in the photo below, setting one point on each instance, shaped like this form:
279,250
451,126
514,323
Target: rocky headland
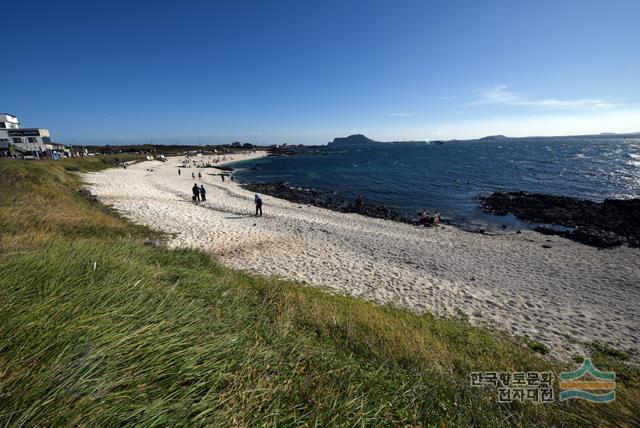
604,224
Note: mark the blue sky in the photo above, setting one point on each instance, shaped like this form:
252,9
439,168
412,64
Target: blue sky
307,71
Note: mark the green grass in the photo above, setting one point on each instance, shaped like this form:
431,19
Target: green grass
159,337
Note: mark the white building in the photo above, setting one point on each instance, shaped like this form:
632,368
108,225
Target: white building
27,141
8,121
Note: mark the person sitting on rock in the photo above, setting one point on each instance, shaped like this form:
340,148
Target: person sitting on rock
436,218
425,217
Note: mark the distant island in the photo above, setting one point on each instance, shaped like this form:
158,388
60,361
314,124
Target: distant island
362,140
542,138
359,140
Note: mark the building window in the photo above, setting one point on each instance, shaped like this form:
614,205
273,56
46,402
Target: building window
3,125
17,141
33,140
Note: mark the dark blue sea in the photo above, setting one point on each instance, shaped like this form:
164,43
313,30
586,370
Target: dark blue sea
450,176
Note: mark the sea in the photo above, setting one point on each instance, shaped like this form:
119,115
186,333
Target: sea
449,177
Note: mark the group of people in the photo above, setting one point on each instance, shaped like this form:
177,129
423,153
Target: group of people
426,219
199,193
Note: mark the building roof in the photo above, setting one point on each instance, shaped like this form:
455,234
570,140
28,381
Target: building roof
9,114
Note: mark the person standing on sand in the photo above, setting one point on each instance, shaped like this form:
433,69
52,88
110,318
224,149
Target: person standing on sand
199,175
258,201
196,193
222,175
193,175
203,193
179,171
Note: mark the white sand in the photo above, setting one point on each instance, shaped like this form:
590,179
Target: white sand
563,296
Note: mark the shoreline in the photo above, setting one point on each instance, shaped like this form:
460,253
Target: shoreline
542,287
327,200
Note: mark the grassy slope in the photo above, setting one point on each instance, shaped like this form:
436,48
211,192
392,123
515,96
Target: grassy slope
170,337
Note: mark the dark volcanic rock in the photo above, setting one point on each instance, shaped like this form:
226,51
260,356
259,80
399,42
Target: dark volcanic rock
85,193
599,224
327,200
282,151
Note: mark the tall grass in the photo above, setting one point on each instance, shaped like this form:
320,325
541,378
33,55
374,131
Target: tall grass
97,329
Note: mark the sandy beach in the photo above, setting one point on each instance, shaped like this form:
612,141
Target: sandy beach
546,288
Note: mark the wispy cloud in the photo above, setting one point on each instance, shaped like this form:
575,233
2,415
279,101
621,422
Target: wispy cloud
452,97
500,94
400,115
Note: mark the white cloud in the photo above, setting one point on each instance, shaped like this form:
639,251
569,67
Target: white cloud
500,94
400,115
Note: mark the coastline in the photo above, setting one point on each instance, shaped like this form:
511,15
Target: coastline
543,287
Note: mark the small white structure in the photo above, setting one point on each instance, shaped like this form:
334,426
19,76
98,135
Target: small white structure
33,141
9,121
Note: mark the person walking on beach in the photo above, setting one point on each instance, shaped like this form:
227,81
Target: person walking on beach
203,193
179,172
199,175
193,175
258,201
222,175
196,193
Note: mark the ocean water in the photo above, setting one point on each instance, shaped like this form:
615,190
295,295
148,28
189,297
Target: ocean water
450,176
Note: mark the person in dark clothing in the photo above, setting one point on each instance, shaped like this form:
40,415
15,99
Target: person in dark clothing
199,175
196,193
258,201
222,175
193,175
203,193
179,171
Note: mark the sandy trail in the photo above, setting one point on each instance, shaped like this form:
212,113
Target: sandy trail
563,296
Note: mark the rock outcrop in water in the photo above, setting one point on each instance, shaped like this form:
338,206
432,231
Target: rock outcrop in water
327,200
352,140
599,224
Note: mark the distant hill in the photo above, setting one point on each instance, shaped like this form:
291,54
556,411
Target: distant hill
359,140
493,137
352,140
588,136
363,140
